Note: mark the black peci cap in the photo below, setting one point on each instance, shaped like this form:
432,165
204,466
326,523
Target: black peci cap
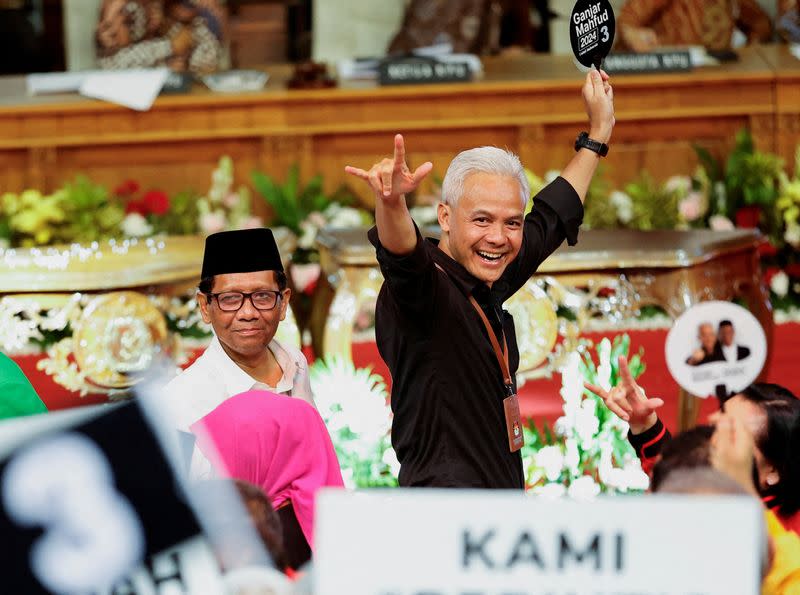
240,251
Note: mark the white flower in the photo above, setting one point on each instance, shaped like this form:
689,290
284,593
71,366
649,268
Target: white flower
693,206
424,215
308,235
681,184
583,489
232,200
571,381
136,226
792,235
550,491
551,460
604,365
564,425
623,205
213,222
720,223
343,217
586,423
633,476
551,175
572,458
780,283
304,275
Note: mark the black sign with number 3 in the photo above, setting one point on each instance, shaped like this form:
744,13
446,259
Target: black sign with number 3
83,506
591,31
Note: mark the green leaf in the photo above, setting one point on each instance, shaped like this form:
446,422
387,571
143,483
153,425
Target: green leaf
709,163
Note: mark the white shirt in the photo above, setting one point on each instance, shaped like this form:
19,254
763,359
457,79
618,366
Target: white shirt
731,352
214,377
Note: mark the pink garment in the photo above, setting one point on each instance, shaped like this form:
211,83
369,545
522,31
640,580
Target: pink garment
276,442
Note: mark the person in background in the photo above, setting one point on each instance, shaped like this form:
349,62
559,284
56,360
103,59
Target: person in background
731,352
243,295
233,550
282,446
17,395
733,452
769,412
645,25
184,35
788,21
709,350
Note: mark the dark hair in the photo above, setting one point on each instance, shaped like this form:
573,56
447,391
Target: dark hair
778,441
225,523
687,450
725,322
206,285
265,520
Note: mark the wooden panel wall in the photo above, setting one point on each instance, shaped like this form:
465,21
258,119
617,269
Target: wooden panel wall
529,104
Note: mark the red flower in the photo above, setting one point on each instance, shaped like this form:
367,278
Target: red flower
156,202
766,249
748,217
136,206
793,270
127,188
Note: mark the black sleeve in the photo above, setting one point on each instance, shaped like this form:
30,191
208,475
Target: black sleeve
556,215
649,443
410,277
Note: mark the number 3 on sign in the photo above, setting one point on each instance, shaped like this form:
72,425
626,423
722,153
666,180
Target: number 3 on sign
93,536
606,35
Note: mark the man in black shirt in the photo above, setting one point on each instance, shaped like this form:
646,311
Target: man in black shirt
450,427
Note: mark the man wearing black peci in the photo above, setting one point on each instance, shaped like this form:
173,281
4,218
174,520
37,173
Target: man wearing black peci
440,326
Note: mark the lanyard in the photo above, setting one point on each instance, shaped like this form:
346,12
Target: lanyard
502,355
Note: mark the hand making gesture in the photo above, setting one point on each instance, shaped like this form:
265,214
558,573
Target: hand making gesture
391,178
628,401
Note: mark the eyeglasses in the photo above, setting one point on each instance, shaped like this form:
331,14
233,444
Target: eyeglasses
230,301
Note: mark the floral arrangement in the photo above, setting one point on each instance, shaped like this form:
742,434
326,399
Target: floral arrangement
587,451
80,211
353,402
304,210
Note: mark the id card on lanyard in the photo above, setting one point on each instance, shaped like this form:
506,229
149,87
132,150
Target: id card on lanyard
516,439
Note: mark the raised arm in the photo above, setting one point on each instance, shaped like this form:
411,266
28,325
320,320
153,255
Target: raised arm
391,180
598,96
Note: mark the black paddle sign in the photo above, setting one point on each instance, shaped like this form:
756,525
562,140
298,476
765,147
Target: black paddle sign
591,31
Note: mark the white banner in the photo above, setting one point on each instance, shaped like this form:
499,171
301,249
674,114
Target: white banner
406,542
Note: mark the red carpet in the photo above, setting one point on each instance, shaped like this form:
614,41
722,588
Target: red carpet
539,399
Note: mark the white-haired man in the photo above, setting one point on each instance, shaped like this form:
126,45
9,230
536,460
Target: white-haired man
440,326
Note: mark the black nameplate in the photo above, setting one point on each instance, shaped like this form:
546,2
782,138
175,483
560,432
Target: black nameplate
415,71
673,61
176,83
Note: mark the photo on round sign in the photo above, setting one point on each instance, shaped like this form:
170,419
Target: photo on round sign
716,348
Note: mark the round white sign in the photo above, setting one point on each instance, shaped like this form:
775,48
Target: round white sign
716,348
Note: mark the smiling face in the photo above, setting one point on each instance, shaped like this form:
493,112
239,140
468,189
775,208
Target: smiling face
483,231
246,332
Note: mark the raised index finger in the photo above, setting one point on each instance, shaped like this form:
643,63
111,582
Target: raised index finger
399,150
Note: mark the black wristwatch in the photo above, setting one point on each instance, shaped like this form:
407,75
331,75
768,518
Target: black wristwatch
583,140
